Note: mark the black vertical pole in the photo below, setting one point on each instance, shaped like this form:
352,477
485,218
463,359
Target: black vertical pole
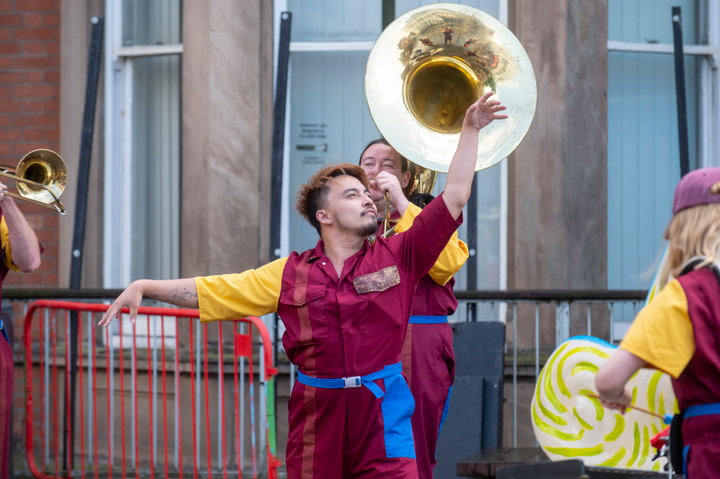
278,144
91,87
472,247
388,12
680,92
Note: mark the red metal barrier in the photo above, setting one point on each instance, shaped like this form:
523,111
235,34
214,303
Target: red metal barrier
48,346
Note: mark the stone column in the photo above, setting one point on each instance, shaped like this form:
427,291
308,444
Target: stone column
227,131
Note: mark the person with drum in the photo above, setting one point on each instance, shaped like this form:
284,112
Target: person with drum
345,305
679,331
428,358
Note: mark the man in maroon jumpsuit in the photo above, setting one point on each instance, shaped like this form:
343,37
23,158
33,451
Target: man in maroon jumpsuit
19,251
345,305
428,358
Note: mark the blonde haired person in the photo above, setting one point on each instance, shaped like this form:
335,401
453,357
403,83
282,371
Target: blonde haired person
679,331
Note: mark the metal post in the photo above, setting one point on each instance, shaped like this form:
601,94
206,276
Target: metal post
279,133
472,248
197,389
279,114
562,323
91,87
589,315
680,92
515,329
47,386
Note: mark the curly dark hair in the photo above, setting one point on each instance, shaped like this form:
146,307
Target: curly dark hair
311,196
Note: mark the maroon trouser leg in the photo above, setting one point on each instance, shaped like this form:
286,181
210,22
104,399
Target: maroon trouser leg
702,434
6,394
340,433
428,362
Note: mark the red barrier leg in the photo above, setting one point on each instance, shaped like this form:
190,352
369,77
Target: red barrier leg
122,399
162,335
177,399
237,403
207,407
135,403
82,394
192,386
221,378
43,393
109,409
150,403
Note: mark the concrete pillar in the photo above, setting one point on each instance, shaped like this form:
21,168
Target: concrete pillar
227,131
557,228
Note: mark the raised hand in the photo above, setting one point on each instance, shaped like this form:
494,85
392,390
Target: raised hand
389,183
484,111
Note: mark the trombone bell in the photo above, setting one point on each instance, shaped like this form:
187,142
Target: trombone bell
40,177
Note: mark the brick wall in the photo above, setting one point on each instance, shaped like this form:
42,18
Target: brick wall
29,111
29,119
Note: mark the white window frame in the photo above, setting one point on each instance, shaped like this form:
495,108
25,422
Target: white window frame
709,145
117,228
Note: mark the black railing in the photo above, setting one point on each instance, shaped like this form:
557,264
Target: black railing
564,295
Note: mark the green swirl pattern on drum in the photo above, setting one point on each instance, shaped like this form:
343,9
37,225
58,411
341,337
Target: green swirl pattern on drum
570,423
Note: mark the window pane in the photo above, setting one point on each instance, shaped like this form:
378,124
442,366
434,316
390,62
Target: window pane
151,22
156,167
650,21
335,20
330,122
491,7
643,152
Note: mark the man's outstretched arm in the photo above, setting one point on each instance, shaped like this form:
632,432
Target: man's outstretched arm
254,292
462,169
180,292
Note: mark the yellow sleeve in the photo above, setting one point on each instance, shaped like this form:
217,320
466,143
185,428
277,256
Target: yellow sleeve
5,238
451,259
662,333
233,296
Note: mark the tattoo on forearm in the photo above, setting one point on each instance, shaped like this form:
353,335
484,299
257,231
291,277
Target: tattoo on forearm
175,295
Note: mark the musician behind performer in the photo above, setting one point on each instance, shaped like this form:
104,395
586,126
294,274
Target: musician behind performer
19,251
679,331
345,305
428,358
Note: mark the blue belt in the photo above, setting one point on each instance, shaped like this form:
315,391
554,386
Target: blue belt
354,381
428,319
702,410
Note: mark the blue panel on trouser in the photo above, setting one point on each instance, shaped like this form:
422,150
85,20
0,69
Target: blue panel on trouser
398,406
443,417
686,449
4,333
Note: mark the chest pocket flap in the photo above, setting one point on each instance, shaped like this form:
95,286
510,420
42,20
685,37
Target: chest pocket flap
301,294
303,315
378,281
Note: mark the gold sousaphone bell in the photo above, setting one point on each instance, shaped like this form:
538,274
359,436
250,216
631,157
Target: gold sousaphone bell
425,70
40,178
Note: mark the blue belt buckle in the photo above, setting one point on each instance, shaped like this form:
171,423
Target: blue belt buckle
352,382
